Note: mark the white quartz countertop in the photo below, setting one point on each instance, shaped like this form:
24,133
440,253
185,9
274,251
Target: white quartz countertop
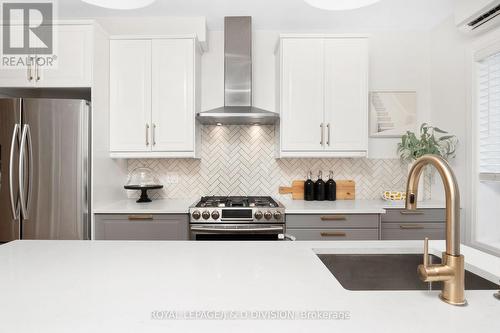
420,204
160,206
333,207
181,206
349,206
118,286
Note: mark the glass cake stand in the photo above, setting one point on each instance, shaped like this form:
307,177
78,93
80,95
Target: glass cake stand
143,179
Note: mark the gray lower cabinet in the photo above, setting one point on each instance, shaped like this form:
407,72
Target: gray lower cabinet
333,226
334,234
141,227
413,225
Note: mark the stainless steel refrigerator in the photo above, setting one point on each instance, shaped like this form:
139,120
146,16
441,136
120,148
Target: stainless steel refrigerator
44,166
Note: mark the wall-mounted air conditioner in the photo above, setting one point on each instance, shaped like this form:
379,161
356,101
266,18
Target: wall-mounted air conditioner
474,16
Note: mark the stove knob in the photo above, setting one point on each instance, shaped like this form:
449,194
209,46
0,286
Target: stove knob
277,215
196,214
268,215
215,215
258,215
206,214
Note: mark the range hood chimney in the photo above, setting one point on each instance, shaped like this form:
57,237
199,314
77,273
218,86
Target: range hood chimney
237,109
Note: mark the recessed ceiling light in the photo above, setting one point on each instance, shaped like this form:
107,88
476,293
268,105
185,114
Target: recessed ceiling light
219,124
120,4
340,4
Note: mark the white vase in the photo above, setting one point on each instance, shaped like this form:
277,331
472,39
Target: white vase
420,194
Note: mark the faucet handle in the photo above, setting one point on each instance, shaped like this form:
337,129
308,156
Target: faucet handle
426,251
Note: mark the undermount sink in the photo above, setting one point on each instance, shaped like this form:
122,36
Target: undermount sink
389,272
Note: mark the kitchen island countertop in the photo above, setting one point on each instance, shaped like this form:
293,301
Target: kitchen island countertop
119,286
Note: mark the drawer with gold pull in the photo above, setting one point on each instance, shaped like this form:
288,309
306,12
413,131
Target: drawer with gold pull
334,234
332,220
141,227
419,215
412,231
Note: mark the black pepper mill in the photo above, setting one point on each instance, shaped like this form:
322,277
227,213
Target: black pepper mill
331,188
309,188
319,188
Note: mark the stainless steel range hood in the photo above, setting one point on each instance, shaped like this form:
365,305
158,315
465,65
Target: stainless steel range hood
237,109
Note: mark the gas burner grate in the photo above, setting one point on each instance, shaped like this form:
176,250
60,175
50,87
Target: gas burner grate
236,201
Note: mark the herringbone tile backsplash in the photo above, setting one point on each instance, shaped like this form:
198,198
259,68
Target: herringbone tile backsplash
240,160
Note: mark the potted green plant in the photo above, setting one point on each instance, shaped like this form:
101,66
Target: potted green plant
432,140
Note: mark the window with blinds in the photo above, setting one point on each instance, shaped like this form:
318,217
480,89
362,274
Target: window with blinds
489,117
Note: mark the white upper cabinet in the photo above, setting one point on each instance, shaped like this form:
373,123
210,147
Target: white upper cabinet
69,66
153,97
72,66
302,98
323,96
18,76
130,91
173,95
346,94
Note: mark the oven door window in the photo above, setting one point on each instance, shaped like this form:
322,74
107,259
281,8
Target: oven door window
236,237
237,233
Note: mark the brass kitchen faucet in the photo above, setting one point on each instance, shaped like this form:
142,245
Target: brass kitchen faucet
451,270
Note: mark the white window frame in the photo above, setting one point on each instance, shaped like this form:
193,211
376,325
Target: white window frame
479,57
480,49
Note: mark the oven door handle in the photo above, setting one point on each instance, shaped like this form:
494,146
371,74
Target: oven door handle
236,230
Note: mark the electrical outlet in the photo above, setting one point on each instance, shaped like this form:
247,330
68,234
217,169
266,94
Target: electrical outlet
171,178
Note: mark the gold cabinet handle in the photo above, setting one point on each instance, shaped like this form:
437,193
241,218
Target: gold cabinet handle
411,212
37,70
30,70
154,134
333,218
333,234
328,137
410,226
322,142
140,217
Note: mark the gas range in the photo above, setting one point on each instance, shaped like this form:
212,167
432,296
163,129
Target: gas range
237,209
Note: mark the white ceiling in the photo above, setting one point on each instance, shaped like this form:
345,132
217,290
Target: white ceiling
285,15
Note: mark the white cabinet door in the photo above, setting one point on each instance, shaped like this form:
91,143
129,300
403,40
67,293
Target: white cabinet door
346,94
130,95
173,116
14,74
302,87
14,69
72,65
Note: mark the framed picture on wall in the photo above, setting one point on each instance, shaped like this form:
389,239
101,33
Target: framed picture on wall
392,113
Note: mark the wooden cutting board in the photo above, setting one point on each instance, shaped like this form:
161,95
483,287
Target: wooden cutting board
297,190
346,189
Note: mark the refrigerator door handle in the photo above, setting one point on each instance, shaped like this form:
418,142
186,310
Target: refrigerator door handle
25,201
13,200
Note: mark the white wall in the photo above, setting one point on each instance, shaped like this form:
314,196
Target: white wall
399,61
449,104
108,175
452,109
449,87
